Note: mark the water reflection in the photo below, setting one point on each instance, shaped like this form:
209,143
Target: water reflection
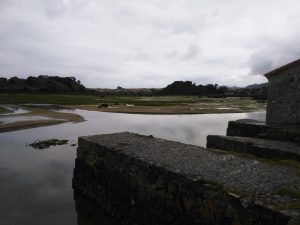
35,185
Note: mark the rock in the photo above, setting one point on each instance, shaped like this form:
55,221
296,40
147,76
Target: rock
47,143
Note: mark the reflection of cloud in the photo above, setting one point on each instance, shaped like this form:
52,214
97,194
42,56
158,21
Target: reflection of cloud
190,133
260,116
38,189
57,175
36,185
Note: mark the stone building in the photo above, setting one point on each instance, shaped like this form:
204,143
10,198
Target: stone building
284,94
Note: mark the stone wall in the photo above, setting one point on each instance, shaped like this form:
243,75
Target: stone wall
284,97
141,187
253,128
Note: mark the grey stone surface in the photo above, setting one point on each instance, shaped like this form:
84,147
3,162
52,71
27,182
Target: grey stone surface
146,180
284,97
254,128
268,149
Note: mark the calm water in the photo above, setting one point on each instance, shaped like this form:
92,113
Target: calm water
35,185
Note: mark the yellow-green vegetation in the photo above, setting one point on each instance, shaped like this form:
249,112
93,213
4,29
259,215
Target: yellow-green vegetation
294,194
289,163
47,99
176,105
4,110
54,118
140,104
47,143
288,192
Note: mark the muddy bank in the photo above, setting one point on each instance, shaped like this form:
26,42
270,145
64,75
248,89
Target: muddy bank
27,120
166,110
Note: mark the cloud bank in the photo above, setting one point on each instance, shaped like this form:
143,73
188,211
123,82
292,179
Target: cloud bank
139,43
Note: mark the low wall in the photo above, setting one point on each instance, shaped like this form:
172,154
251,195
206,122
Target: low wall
138,180
252,128
262,148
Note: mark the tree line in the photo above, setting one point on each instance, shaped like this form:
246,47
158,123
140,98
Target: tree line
41,84
190,88
56,84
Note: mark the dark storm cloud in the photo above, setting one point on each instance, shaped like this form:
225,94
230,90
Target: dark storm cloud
126,42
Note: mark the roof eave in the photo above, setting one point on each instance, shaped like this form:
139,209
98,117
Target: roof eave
282,69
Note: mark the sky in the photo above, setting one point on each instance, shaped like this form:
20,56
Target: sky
148,43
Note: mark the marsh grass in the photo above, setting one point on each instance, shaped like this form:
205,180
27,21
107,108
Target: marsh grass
295,165
47,143
244,103
294,194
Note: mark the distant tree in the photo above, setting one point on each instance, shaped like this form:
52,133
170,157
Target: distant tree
190,88
223,89
42,83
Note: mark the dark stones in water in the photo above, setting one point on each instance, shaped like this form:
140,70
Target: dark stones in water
47,143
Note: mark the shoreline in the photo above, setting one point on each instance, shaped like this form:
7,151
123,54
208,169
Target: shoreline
165,110
54,118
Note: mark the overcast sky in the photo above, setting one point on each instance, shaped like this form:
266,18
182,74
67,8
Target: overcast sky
148,43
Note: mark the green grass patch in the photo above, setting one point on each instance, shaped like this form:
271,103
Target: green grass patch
294,194
134,100
290,163
277,162
288,192
176,104
4,110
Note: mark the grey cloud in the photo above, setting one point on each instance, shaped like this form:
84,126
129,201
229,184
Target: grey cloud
172,54
126,42
192,52
57,8
259,63
275,54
